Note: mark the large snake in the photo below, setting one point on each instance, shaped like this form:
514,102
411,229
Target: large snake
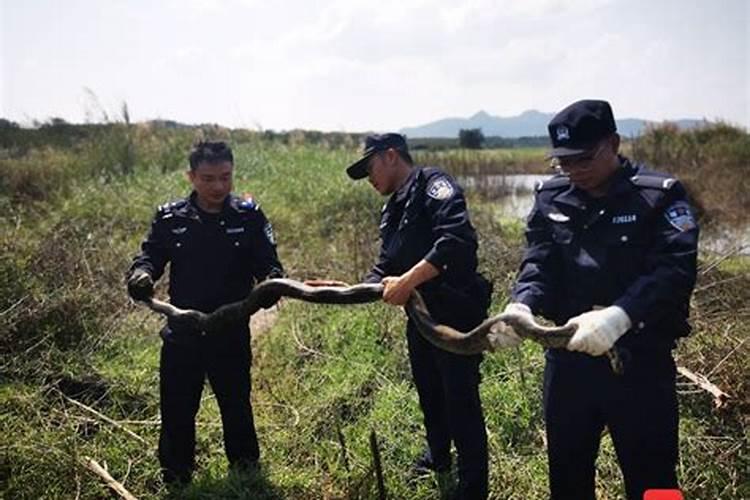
485,337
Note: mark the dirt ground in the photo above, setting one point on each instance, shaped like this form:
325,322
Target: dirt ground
263,320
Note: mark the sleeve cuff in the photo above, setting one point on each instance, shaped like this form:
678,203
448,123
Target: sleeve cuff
436,259
636,315
530,301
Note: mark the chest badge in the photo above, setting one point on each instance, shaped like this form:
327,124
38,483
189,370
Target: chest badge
558,217
441,189
179,230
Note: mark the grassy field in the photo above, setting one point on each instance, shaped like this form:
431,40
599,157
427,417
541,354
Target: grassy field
487,161
79,375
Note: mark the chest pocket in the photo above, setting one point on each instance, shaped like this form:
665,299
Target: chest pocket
401,232
238,241
629,236
236,236
562,233
627,246
409,218
387,226
180,239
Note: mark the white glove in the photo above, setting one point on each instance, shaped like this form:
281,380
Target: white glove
598,330
501,335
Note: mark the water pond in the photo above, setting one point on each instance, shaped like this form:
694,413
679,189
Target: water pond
514,196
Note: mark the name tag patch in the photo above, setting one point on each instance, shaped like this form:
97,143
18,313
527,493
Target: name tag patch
624,219
235,230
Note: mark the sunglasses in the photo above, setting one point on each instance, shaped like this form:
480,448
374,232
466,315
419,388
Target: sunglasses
370,161
578,162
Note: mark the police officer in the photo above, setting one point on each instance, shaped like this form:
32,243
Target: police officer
611,247
429,244
217,245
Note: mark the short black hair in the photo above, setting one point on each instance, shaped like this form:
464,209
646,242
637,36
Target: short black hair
210,152
405,156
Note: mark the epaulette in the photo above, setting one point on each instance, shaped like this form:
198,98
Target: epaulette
166,210
653,181
432,171
246,204
556,182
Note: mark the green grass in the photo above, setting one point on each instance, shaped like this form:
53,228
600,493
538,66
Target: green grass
324,377
463,162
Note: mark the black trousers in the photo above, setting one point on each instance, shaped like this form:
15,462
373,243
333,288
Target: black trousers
225,360
448,389
582,395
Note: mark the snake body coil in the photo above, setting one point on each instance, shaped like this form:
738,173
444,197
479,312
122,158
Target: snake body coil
483,337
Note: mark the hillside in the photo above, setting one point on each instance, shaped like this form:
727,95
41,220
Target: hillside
528,123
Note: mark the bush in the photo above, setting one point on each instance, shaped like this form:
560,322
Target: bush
712,161
471,138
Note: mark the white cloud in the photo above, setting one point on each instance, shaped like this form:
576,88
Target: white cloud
356,64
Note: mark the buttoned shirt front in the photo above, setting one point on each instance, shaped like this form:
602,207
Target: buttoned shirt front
635,248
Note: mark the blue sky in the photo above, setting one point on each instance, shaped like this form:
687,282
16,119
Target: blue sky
362,65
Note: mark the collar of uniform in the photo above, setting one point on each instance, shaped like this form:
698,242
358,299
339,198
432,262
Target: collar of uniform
572,197
621,183
401,194
578,198
196,210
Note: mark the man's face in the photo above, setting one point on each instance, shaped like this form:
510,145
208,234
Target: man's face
591,171
212,183
380,172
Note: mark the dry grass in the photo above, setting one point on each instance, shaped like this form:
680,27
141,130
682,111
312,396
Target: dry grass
322,375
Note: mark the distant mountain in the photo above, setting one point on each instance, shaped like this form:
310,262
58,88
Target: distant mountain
528,123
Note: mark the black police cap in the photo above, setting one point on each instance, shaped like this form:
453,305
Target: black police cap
579,127
374,144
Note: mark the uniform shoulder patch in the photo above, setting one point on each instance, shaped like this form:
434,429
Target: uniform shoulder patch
680,216
268,231
440,188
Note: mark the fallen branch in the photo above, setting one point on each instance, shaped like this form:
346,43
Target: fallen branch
105,418
100,471
728,354
731,253
720,397
382,495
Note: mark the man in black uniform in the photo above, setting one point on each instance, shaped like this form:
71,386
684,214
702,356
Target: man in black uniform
612,248
429,244
217,245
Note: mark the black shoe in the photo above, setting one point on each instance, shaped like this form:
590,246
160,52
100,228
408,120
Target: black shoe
176,477
426,464
244,466
175,483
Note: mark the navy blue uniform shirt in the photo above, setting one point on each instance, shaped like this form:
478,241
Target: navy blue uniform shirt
214,258
635,248
427,219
